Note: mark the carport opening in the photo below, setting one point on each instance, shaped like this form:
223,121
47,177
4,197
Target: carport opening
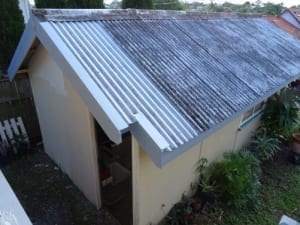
115,174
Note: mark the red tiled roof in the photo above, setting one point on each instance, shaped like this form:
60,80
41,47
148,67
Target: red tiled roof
283,24
296,13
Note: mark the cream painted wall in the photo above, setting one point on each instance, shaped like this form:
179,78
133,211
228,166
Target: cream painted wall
157,190
66,124
67,130
245,133
223,140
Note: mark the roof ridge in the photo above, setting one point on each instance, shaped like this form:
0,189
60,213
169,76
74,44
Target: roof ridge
131,14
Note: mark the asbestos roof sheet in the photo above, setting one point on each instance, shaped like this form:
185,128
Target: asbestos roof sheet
209,69
186,73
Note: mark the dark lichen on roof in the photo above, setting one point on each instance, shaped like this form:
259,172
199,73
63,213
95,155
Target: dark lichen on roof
210,66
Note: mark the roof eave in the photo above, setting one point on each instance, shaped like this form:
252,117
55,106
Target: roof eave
99,105
106,115
25,43
149,139
168,156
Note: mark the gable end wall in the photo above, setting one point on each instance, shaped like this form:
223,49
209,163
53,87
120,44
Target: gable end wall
66,124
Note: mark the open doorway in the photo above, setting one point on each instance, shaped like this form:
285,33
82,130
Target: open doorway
115,165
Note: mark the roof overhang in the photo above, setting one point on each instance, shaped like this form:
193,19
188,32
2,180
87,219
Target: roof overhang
106,115
161,158
25,43
98,104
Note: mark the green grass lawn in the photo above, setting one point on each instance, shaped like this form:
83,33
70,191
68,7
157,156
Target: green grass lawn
279,194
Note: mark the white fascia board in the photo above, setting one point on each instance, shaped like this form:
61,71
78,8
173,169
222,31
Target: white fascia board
98,104
152,132
152,142
22,49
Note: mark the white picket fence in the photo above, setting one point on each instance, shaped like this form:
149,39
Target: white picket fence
12,129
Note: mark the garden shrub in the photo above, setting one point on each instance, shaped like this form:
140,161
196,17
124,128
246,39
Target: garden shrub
204,181
236,178
263,146
281,114
180,214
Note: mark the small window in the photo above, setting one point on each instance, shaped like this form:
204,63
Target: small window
247,115
252,113
259,107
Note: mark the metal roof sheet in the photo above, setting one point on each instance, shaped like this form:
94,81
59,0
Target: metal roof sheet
209,69
179,75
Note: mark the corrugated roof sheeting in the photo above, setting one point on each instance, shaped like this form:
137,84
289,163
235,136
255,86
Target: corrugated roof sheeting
185,74
123,83
173,71
276,50
209,69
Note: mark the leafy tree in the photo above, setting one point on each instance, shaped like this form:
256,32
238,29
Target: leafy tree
213,7
168,5
247,7
84,4
50,3
269,9
11,28
137,4
93,4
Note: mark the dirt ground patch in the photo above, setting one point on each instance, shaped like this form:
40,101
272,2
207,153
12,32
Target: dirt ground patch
48,196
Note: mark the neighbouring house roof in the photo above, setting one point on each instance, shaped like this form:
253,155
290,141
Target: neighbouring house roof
295,12
170,77
292,16
282,23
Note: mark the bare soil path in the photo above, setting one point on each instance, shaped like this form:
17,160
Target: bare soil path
48,196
